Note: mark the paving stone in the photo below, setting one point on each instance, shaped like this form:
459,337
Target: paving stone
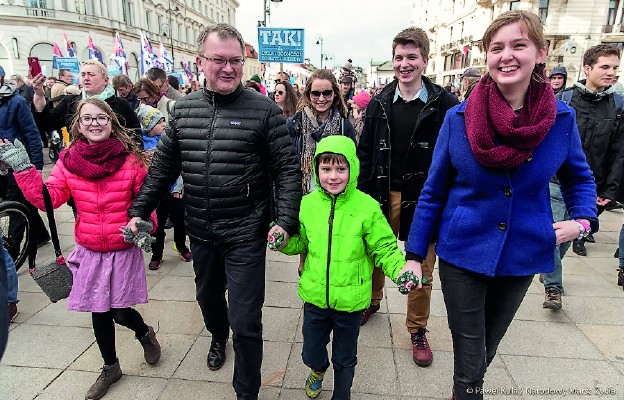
176,288
26,283
607,338
19,383
532,309
277,271
72,385
594,310
278,323
183,269
152,280
282,294
46,346
130,353
30,303
595,286
537,338
56,314
181,317
277,256
549,373
375,362
376,332
198,390
603,266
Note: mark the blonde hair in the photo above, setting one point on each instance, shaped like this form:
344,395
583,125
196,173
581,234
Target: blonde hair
98,64
338,102
117,130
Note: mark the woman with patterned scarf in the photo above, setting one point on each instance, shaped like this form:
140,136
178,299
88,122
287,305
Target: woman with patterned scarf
486,201
321,112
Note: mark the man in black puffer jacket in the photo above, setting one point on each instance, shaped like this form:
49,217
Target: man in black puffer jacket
229,144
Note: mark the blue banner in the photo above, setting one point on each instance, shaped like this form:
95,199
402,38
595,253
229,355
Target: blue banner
281,45
70,63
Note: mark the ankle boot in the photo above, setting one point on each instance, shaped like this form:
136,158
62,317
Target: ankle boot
620,277
110,374
151,347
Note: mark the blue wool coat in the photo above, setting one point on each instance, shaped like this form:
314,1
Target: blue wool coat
494,222
16,122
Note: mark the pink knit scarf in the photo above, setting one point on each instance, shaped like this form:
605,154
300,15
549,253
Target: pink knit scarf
499,138
94,161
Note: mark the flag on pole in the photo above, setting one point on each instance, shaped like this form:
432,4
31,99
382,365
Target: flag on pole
70,50
94,52
187,69
148,58
119,55
164,58
56,52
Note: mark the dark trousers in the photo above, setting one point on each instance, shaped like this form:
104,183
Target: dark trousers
104,329
242,266
174,208
479,310
9,190
317,325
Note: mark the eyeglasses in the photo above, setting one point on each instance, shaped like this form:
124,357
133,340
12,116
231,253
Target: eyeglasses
99,120
144,99
326,94
234,62
280,92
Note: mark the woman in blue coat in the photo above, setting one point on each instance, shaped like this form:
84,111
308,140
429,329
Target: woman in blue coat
486,201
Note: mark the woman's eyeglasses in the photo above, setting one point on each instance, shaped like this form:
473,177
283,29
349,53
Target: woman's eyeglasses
280,92
99,120
315,94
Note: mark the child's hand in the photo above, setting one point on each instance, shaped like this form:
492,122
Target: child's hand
277,238
415,268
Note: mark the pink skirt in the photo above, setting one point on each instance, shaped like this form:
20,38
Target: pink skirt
106,280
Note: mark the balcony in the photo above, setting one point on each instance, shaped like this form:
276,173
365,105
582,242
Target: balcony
40,12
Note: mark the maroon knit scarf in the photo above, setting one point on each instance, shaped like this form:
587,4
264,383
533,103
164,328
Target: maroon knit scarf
94,161
498,138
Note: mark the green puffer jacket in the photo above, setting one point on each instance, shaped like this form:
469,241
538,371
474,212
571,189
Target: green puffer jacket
344,237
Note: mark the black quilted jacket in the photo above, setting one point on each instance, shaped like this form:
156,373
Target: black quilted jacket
228,149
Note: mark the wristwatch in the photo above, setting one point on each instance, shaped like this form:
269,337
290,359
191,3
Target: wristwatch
584,228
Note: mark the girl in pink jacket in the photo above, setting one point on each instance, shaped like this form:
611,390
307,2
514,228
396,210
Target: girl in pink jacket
102,170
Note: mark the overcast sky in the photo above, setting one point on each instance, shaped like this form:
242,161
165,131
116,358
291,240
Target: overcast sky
354,29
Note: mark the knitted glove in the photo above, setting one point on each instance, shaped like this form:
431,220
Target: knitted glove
15,155
276,239
408,282
143,239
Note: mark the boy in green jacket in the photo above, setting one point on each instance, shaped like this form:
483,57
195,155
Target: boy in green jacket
344,234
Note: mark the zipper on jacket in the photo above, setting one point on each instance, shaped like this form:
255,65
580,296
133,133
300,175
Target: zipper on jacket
101,215
389,152
329,243
211,133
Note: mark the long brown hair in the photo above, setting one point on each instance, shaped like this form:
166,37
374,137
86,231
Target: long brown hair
117,130
290,104
338,100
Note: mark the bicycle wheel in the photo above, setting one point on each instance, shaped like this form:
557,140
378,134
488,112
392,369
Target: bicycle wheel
15,230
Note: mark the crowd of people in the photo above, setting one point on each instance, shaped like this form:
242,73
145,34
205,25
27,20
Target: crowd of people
509,167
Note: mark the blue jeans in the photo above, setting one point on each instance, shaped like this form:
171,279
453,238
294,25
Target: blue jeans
480,309
554,280
317,325
11,274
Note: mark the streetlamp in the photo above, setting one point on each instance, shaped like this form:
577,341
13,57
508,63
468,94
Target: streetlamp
319,40
170,11
267,12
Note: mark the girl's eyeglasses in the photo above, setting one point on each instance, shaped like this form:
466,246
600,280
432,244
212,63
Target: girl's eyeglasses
280,92
315,94
99,120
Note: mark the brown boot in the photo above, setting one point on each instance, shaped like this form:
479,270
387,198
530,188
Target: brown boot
151,347
110,374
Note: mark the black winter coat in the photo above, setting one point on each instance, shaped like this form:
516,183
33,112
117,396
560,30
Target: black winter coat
602,137
228,149
374,149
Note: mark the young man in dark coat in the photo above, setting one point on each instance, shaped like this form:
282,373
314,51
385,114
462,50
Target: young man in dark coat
395,151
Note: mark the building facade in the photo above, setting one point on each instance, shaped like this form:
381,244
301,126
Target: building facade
32,27
455,29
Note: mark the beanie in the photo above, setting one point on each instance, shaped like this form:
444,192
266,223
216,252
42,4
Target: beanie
255,78
558,71
362,99
149,117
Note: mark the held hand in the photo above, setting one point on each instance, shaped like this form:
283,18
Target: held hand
601,201
566,231
177,195
414,267
132,225
37,84
273,237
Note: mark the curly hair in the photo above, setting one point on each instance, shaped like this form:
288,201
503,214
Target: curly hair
592,54
338,102
117,130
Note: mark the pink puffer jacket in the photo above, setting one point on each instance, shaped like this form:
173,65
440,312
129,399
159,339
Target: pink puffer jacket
101,205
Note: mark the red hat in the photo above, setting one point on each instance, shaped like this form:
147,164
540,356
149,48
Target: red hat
362,99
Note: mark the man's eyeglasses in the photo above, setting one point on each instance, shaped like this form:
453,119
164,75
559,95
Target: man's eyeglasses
280,92
234,62
317,93
99,120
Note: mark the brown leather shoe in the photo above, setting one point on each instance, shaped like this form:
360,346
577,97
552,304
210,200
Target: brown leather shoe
421,352
151,347
216,354
552,300
110,374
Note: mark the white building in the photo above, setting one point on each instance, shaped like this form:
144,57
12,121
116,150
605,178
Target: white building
455,29
31,27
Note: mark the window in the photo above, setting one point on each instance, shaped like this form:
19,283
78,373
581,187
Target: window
448,62
189,38
543,10
514,5
160,22
89,7
148,21
39,3
64,5
127,12
44,52
613,7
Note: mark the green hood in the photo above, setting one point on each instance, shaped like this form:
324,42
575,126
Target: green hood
344,145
